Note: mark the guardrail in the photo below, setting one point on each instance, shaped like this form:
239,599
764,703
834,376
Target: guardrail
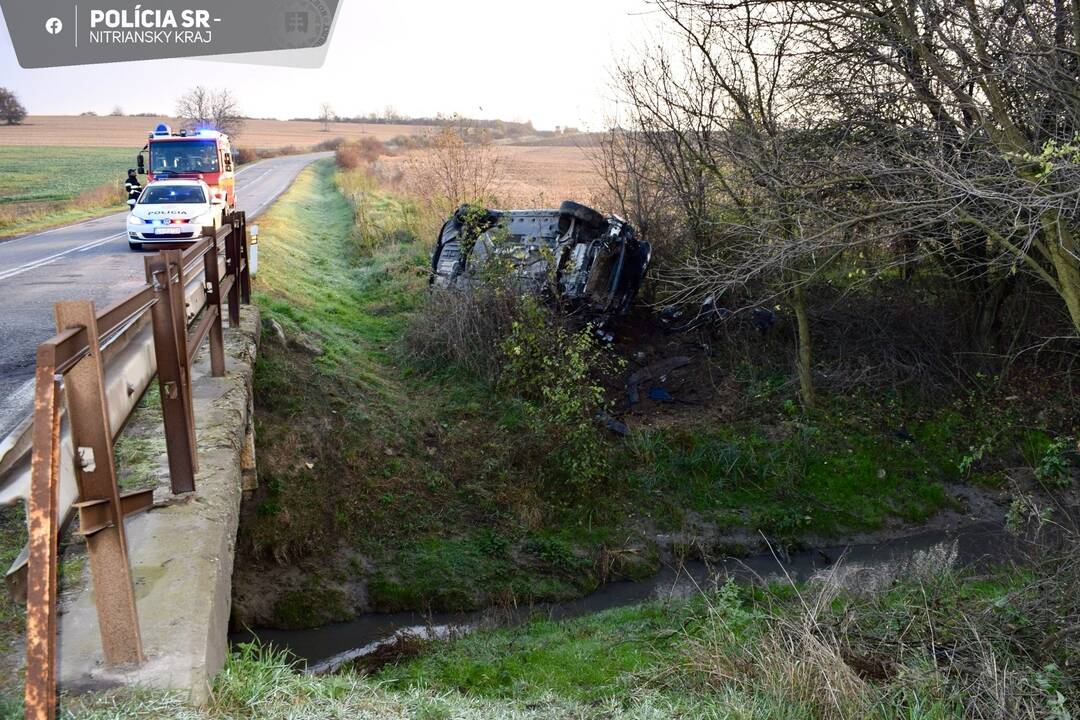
60,461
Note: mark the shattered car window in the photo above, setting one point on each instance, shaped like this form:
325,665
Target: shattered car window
593,263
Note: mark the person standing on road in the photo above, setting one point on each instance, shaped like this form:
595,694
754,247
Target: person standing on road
133,188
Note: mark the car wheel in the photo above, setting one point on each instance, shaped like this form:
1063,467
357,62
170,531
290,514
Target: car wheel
135,247
584,215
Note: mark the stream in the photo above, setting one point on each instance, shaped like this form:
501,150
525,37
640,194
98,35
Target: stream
325,649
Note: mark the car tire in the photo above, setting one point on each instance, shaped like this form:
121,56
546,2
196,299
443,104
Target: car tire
135,247
583,214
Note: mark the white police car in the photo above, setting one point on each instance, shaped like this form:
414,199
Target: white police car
173,211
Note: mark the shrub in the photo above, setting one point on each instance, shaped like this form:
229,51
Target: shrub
462,328
551,369
380,219
351,155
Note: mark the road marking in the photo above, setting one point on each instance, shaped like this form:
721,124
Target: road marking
4,275
249,183
61,228
91,246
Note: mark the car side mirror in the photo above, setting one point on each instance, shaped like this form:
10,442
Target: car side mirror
140,163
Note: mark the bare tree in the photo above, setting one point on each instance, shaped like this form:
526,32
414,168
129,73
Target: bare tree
788,136
212,109
980,102
458,167
11,110
754,167
326,116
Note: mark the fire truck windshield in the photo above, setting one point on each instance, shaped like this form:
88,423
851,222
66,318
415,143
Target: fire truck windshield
183,156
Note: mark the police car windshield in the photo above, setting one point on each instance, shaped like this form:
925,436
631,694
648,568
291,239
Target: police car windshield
183,156
169,194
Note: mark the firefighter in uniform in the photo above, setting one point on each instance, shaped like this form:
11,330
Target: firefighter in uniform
133,188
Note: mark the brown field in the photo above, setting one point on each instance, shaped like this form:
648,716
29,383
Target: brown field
536,176
545,176
108,131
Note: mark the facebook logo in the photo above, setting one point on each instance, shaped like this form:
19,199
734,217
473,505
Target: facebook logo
53,26
296,22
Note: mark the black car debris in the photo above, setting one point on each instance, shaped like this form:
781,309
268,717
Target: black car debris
593,263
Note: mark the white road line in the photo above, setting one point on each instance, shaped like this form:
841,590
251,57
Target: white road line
86,248
249,183
58,229
51,258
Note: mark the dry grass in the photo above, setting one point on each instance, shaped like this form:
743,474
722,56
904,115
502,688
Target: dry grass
18,217
80,131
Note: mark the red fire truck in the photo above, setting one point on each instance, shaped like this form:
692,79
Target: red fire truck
202,154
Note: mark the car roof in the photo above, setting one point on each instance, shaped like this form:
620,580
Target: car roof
177,181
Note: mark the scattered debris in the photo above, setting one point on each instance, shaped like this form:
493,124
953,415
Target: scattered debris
660,394
277,333
615,426
650,372
305,344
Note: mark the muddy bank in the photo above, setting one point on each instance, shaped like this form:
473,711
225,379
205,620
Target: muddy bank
338,588
860,565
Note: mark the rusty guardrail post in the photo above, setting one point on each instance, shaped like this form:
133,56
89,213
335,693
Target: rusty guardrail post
213,304
43,521
243,270
101,511
232,267
164,272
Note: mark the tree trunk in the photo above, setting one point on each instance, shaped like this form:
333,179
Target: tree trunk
1062,248
805,362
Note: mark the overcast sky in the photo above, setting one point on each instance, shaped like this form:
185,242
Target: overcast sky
548,61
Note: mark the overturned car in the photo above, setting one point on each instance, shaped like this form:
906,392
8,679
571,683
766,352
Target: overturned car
590,263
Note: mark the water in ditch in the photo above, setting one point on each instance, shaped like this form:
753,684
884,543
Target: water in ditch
326,648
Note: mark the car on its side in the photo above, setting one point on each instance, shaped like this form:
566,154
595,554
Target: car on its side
592,262
172,212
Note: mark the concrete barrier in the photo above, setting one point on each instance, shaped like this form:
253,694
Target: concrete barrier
181,551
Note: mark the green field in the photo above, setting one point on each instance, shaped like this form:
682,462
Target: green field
41,174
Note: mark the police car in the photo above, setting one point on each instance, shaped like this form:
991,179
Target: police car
173,211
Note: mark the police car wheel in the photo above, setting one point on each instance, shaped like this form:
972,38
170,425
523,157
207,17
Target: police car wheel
136,247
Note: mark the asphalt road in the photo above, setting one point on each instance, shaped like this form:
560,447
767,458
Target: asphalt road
89,260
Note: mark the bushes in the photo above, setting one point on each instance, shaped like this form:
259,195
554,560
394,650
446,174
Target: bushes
528,358
243,156
351,155
379,218
462,329
551,370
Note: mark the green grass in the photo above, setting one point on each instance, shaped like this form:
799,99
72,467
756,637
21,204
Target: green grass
840,469
45,187
430,476
37,174
586,660
13,537
931,645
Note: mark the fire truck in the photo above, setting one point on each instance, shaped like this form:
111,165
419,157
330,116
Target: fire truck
201,154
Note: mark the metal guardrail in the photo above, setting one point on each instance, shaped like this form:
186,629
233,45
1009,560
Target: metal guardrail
61,462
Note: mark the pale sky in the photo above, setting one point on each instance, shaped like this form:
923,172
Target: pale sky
545,61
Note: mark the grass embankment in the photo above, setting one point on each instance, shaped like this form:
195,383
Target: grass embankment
936,645
43,187
421,485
